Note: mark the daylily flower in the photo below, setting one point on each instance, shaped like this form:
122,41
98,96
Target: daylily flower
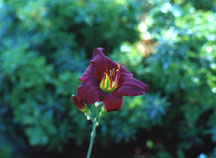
107,81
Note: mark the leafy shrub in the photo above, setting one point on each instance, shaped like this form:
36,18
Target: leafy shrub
44,46
183,69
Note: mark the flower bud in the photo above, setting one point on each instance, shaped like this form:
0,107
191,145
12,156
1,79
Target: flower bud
97,104
88,117
80,105
97,123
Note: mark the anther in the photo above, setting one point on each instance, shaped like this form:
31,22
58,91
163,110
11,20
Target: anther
119,66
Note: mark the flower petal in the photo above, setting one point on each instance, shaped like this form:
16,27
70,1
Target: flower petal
125,71
89,91
129,86
88,72
99,64
102,63
112,102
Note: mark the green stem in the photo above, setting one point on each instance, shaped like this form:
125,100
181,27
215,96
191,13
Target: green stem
93,132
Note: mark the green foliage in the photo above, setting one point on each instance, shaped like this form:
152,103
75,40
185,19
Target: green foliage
148,109
183,68
188,63
45,45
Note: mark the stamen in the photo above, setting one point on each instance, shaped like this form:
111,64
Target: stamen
113,71
110,86
119,66
110,79
117,75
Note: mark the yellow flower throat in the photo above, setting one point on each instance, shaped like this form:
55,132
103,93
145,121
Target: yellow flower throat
109,81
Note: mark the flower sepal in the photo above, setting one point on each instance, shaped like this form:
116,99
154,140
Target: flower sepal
80,105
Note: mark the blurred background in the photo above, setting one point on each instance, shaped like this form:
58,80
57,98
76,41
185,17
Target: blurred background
45,45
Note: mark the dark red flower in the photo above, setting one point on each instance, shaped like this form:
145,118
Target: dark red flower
106,81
